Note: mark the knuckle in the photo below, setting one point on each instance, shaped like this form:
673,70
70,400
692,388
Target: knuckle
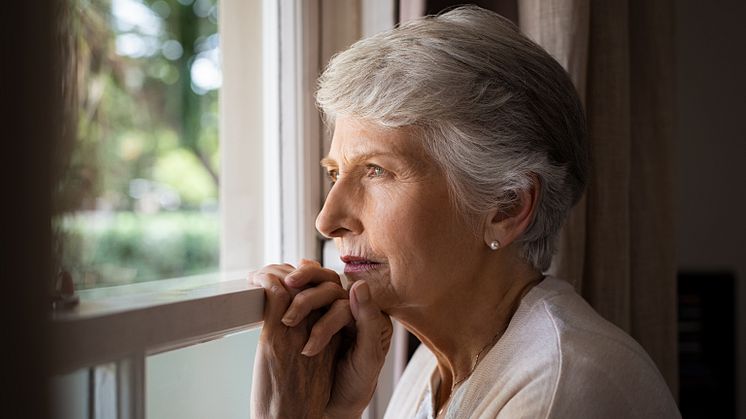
326,286
279,292
304,270
339,292
264,269
271,276
332,274
306,262
301,299
340,305
277,268
333,286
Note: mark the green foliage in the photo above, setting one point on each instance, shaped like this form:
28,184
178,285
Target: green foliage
146,143
182,171
138,103
118,248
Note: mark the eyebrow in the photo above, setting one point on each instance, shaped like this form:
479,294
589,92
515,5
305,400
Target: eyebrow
330,162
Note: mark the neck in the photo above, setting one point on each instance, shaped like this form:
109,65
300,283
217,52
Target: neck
463,324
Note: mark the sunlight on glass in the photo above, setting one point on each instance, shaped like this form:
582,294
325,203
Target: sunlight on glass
172,50
206,74
134,15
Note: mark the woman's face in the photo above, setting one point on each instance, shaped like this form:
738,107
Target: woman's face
391,217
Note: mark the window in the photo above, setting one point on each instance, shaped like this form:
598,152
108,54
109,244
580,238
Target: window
139,200
171,336
180,347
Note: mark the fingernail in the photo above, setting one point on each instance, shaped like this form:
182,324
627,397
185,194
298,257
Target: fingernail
362,293
290,278
288,319
309,349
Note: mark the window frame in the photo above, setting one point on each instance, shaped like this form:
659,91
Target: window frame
138,321
126,324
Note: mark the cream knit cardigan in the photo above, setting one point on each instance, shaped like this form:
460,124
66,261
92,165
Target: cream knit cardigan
557,359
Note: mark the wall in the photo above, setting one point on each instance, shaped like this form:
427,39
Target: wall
711,148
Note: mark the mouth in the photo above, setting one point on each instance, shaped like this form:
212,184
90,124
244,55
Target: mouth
356,264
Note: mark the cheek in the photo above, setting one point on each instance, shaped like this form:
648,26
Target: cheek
415,214
421,234
391,231
403,227
395,221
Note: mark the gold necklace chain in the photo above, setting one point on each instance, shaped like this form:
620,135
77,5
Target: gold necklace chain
489,345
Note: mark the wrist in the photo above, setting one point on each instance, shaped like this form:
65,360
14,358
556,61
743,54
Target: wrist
347,414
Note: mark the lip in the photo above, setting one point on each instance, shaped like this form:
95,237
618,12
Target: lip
358,264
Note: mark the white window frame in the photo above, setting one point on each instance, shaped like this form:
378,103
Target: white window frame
126,324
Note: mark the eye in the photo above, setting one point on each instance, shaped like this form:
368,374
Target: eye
333,175
375,171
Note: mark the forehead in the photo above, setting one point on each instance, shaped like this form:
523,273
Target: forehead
355,137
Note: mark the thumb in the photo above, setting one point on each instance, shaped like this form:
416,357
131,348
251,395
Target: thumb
374,328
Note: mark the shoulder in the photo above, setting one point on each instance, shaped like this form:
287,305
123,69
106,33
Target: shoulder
602,366
561,359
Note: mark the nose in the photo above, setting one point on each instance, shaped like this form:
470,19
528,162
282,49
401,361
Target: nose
340,214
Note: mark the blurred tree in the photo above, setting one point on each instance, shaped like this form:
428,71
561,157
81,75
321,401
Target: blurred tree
135,86
191,104
143,82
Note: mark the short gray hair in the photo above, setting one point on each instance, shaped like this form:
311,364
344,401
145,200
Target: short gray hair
492,108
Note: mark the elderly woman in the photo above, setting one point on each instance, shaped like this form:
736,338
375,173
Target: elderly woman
458,150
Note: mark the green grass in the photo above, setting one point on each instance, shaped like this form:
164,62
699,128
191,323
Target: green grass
101,249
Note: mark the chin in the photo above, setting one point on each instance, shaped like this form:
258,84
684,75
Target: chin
378,280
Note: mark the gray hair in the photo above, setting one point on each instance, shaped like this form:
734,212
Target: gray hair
492,108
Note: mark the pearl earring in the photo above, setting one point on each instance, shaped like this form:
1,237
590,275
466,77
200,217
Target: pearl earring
494,245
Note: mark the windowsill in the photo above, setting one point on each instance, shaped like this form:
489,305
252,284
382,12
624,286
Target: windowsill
105,300
117,322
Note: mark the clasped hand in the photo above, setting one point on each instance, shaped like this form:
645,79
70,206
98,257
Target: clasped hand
321,347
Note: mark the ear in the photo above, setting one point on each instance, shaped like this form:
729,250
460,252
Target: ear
505,225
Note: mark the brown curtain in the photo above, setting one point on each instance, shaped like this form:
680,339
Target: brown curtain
617,247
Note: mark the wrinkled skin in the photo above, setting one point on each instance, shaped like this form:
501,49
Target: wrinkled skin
319,353
410,253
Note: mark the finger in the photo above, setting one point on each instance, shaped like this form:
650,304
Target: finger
310,299
326,327
277,297
311,273
279,270
373,327
305,261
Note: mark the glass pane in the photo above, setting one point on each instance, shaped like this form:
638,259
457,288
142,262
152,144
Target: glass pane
86,393
139,199
104,391
70,395
209,380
